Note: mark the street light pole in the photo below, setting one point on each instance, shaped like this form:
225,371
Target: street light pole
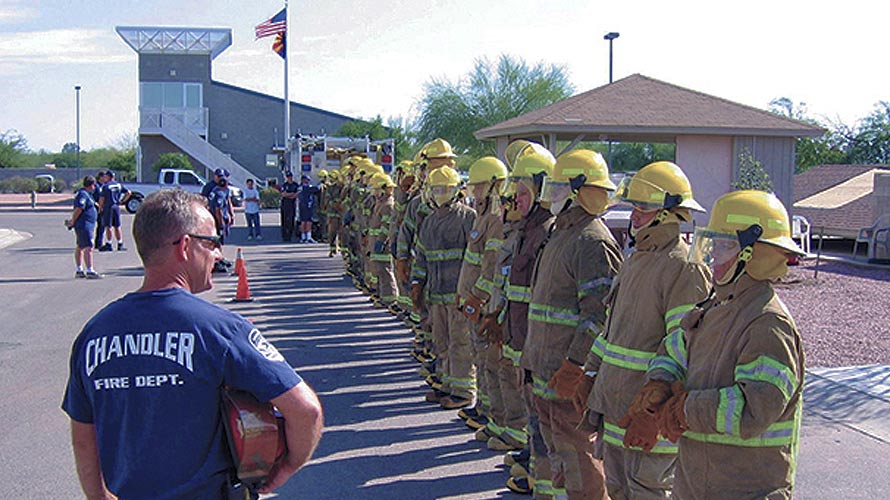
611,36
77,99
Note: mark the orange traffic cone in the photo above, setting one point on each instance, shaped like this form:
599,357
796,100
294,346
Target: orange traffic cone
239,263
243,292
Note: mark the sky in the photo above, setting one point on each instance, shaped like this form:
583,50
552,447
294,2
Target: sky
366,58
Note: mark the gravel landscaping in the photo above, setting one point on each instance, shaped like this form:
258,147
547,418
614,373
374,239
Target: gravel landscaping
843,315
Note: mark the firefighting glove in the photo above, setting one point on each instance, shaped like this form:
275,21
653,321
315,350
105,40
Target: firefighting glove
582,392
640,430
649,398
671,417
472,308
566,379
490,330
417,295
403,270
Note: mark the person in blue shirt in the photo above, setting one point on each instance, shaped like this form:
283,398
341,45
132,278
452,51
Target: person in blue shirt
221,207
100,229
147,372
112,196
306,196
83,221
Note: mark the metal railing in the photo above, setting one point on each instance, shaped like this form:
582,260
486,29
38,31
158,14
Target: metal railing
194,119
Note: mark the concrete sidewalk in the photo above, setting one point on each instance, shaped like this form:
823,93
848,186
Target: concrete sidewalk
383,440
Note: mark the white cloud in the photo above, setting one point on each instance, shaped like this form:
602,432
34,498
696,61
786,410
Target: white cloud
16,12
64,46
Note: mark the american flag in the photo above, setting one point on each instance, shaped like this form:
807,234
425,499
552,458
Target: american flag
277,24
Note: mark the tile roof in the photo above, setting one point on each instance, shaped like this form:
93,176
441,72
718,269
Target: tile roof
640,103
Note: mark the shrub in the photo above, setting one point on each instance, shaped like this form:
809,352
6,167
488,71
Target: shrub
270,198
59,185
18,184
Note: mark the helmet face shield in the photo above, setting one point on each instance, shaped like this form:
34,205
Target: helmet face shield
556,192
718,251
442,195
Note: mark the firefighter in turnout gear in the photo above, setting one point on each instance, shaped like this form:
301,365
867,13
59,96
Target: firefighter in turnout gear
529,225
378,235
333,197
571,278
441,240
734,370
475,287
655,287
405,180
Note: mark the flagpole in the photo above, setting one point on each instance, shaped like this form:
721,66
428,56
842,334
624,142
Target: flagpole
286,93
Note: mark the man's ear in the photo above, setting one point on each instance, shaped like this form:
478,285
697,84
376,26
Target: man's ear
180,250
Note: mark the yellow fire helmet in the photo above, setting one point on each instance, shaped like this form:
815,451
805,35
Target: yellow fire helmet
438,148
658,185
487,169
513,150
442,185
739,221
380,181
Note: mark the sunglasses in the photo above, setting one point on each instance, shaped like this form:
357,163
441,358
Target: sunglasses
216,240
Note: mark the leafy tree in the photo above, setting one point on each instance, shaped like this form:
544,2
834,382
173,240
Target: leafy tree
628,156
871,143
752,175
171,160
491,93
831,148
69,147
12,147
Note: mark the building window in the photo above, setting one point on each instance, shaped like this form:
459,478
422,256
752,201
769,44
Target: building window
171,95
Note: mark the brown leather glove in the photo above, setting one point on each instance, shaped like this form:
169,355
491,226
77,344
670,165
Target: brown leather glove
566,379
472,308
649,398
640,430
403,270
671,418
417,295
490,330
406,183
582,392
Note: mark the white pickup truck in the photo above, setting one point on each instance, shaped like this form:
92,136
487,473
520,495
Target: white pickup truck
171,178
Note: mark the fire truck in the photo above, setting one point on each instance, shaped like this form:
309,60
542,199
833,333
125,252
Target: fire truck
312,153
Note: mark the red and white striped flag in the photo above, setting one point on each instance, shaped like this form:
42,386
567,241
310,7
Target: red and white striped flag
274,26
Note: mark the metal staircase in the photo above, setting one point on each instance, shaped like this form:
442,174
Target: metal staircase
172,127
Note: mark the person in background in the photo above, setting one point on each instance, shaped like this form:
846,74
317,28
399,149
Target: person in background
83,221
113,195
174,445
100,229
221,208
288,206
252,211
307,198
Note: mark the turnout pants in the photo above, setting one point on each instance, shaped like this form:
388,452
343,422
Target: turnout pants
386,279
539,462
509,391
634,475
454,356
575,471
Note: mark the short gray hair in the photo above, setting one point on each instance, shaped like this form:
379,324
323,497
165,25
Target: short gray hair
164,216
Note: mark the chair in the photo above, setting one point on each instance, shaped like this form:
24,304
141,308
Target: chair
874,236
800,229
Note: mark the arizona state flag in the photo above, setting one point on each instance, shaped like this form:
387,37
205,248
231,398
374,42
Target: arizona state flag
280,45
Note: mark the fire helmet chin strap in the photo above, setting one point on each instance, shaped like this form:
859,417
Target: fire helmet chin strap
746,238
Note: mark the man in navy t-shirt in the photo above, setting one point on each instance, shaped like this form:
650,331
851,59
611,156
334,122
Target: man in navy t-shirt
83,221
147,371
112,196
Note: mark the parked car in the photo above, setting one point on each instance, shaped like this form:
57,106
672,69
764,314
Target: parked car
171,178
